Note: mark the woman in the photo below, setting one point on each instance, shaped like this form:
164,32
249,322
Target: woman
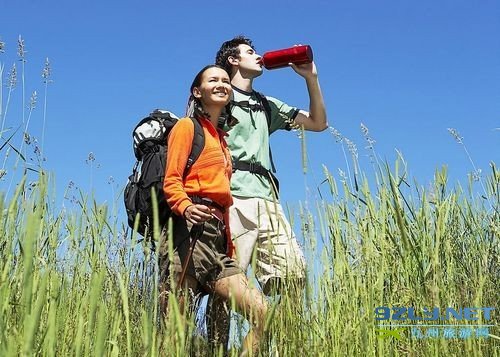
200,199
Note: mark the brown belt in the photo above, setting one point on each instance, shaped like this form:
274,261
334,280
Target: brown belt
218,210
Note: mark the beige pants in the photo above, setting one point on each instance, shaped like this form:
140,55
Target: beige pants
260,227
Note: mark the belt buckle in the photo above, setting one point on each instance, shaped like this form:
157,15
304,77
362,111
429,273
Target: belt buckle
207,201
220,223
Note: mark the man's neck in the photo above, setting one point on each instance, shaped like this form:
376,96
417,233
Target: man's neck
245,84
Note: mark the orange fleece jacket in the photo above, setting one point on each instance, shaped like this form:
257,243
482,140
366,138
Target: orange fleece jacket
209,176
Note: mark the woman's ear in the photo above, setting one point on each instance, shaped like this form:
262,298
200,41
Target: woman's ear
196,92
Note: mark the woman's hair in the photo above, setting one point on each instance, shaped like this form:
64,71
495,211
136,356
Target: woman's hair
194,107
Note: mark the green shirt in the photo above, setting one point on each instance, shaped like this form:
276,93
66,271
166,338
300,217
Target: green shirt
248,141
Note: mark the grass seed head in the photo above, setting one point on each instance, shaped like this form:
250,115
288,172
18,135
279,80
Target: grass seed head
476,175
21,50
12,77
27,139
33,99
366,134
352,148
338,136
90,158
47,71
456,135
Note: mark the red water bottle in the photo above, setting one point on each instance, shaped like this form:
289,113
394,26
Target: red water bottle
281,58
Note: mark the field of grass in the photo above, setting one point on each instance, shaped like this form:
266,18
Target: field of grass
72,284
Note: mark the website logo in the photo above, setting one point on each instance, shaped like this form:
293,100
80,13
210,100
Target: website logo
435,322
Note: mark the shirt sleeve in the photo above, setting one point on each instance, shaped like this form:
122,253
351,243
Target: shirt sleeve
281,114
180,142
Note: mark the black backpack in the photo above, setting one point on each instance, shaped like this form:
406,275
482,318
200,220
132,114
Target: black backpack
150,149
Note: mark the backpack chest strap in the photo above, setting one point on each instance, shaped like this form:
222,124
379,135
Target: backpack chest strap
257,168
253,167
245,104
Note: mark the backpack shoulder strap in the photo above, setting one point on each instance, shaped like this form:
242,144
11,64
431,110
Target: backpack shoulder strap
267,110
198,144
267,107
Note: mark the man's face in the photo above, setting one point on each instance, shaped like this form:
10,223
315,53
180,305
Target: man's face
249,61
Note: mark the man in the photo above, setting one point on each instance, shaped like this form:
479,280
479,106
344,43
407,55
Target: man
257,221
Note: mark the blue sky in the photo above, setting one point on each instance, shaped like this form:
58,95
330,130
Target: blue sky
407,70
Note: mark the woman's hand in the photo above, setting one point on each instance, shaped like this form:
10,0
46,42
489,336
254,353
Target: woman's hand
197,214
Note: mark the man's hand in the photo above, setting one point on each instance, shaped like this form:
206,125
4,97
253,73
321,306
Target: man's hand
307,70
197,214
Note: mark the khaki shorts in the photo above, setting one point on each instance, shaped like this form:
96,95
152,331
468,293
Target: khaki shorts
260,227
208,262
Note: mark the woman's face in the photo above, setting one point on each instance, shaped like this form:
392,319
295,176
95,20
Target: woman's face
214,89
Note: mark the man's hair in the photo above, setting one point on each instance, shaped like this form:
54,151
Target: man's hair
230,49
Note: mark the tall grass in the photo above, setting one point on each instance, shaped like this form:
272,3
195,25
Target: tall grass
72,284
